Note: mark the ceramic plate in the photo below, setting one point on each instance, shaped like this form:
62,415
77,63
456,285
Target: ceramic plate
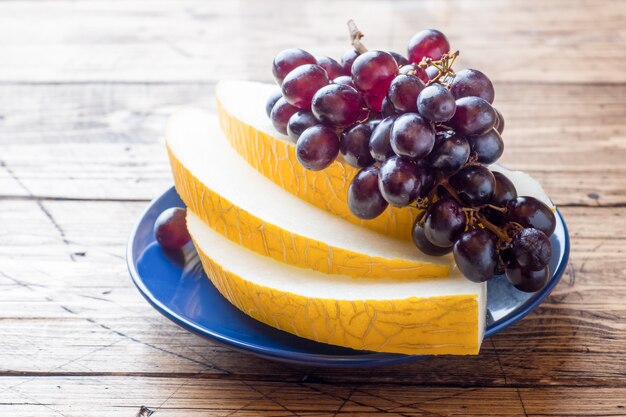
177,287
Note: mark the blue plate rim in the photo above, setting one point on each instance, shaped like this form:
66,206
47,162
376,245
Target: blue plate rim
323,360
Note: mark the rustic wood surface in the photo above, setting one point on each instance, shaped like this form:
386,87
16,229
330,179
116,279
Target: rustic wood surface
85,89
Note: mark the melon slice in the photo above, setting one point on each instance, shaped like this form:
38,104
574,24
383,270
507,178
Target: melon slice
430,316
241,204
242,116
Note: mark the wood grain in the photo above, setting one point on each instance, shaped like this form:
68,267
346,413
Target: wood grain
85,90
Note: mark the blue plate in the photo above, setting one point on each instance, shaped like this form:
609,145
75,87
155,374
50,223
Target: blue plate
176,286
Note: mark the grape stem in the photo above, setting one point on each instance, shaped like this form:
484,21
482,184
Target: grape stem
492,227
355,37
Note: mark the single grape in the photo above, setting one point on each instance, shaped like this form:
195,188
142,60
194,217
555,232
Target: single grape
488,147
414,69
354,145
364,198
436,103
471,82
473,116
374,120
412,136
530,212
403,93
526,280
450,154
532,249
380,148
388,108
503,193
317,147
475,254
337,105
271,100
445,222
170,228
431,72
344,80
427,175
499,126
332,67
347,60
302,83
372,73
289,59
281,113
399,181
425,245
400,59
299,122
474,184
428,43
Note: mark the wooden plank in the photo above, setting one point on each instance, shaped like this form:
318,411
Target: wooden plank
112,147
115,396
201,40
70,309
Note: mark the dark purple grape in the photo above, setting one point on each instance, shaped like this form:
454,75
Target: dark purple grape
380,148
289,59
431,72
450,154
400,59
474,184
427,175
473,116
499,126
471,82
488,147
435,103
414,69
505,190
347,60
170,228
525,280
372,73
302,83
374,102
344,80
337,105
332,67
403,93
317,147
476,256
412,136
387,108
428,43
530,212
374,120
354,145
271,100
399,181
300,122
425,245
364,198
281,113
532,249
445,222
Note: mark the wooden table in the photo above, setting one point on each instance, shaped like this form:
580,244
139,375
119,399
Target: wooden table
85,89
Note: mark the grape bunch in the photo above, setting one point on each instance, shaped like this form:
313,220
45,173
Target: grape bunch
422,136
